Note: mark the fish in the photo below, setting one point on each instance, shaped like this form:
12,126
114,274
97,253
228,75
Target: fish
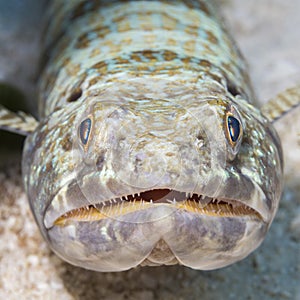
150,148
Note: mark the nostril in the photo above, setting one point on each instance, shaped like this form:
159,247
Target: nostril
232,89
140,157
76,94
100,162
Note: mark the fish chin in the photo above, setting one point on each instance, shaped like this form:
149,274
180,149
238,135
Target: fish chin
176,236
154,227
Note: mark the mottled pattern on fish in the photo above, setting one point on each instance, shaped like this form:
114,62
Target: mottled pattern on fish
149,150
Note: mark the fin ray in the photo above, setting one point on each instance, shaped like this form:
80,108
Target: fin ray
20,122
281,104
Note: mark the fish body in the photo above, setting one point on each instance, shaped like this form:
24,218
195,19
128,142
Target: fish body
149,149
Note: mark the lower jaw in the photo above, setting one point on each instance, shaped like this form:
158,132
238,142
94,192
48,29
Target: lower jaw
198,241
120,209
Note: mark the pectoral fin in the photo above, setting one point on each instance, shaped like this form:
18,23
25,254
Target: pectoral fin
20,122
282,104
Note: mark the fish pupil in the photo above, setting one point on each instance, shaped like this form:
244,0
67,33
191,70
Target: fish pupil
84,130
234,128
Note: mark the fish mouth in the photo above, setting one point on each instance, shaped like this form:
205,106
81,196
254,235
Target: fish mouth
189,202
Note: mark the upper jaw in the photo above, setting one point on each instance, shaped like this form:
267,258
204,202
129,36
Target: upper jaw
72,203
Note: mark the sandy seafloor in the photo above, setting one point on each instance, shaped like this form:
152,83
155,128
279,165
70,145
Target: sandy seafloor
268,33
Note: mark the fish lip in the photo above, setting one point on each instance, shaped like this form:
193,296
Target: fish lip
256,208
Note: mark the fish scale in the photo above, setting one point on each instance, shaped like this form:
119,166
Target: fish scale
148,149
104,40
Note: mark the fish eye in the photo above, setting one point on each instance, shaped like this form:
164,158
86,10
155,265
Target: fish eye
234,128
85,130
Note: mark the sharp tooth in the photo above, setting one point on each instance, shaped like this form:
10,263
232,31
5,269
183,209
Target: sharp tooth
196,207
99,207
121,207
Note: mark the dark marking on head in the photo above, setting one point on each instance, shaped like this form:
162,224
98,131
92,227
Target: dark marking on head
232,89
100,161
101,67
212,38
204,7
78,11
85,7
195,4
82,41
49,166
169,55
67,143
192,30
149,54
39,138
76,94
205,63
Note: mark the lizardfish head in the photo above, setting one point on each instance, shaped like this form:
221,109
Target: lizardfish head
125,178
